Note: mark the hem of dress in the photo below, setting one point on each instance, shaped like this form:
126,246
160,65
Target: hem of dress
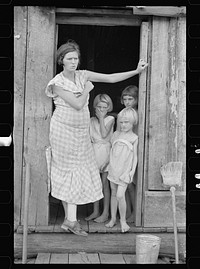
77,203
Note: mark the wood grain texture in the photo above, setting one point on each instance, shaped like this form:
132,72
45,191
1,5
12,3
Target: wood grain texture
144,39
93,243
38,107
158,209
20,31
167,99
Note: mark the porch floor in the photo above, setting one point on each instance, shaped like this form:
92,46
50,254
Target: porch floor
57,217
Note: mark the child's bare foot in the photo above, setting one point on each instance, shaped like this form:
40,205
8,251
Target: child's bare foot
92,216
124,226
102,218
111,223
130,219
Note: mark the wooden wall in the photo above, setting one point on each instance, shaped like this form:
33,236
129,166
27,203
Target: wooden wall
163,100
166,114
34,61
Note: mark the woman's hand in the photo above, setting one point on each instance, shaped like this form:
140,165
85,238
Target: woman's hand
89,86
141,65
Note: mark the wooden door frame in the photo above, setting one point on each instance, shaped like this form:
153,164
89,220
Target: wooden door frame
66,16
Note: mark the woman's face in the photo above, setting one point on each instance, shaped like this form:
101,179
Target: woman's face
70,61
129,101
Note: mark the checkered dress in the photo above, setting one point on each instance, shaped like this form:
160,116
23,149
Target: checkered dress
73,171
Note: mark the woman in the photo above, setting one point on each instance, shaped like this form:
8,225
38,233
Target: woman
74,173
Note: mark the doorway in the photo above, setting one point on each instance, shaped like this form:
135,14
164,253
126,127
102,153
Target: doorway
104,49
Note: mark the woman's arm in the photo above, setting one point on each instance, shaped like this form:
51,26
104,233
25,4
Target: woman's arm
69,97
116,77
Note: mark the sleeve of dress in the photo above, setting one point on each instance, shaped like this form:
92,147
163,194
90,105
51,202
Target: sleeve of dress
83,77
54,81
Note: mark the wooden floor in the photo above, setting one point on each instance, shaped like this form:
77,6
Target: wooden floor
84,258
57,217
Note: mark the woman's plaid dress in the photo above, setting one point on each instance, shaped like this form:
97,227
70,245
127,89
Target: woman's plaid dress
74,174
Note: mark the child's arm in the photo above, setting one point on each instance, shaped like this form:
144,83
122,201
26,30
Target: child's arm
135,158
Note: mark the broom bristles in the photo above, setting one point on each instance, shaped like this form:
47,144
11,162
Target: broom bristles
171,173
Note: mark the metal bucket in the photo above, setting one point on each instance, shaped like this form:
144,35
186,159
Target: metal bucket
147,248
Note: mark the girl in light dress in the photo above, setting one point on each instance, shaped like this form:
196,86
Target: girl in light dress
101,130
122,165
129,98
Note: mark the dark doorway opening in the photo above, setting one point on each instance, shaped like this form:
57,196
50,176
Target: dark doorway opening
104,49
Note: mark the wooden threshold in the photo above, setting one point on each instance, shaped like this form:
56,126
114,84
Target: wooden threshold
93,243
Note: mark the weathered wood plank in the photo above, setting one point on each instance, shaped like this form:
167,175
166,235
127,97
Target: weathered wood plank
99,20
20,33
43,258
62,258
93,243
38,107
158,124
158,209
181,74
144,33
84,258
166,11
111,258
128,10
129,258
167,133
95,10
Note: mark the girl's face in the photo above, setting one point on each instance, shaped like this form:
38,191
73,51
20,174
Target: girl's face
102,106
125,125
70,61
129,101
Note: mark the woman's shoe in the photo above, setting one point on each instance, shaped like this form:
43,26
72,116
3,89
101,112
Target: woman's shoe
74,227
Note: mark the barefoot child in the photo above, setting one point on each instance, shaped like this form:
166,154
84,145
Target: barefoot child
129,98
101,130
123,162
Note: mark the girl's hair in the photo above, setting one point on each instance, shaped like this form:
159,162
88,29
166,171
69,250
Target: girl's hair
129,113
131,90
69,46
103,98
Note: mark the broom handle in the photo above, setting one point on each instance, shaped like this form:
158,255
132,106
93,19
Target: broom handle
172,189
25,226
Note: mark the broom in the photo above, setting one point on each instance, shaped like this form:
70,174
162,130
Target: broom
171,174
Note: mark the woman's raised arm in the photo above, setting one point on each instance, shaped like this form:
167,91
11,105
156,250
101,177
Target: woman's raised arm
116,77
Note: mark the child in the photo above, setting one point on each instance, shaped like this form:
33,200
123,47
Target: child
101,130
129,98
123,162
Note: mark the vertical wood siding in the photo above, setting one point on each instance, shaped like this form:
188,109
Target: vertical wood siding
37,107
167,98
20,31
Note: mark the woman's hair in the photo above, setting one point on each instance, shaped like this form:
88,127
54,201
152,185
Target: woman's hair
69,46
128,113
103,98
131,90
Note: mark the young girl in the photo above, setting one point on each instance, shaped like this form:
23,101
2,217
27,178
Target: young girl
101,130
129,98
123,162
